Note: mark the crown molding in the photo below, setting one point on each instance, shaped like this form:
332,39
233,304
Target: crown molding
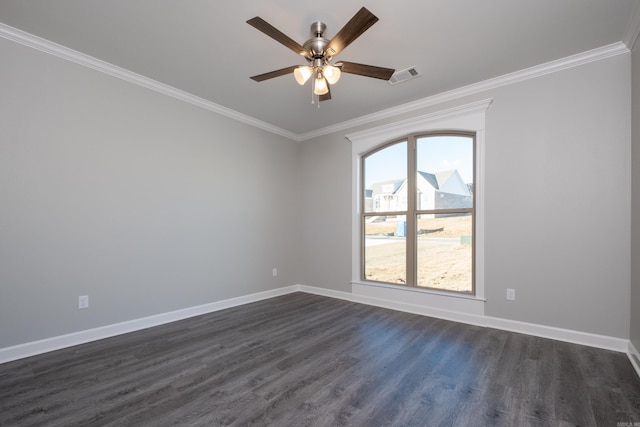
633,27
474,88
63,52
43,45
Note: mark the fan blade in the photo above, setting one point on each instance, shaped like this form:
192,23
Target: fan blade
353,29
272,74
326,96
366,70
262,25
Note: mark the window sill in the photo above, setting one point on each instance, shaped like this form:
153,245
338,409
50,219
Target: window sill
419,290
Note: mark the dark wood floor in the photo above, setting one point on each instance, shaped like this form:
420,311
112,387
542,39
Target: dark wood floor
302,359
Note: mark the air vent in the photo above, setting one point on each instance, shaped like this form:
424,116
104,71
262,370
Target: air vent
404,75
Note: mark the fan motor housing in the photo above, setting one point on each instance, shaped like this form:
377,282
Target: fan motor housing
317,43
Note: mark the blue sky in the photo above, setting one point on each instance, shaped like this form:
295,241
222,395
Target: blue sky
435,154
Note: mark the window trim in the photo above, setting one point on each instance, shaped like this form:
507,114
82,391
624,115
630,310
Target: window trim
465,118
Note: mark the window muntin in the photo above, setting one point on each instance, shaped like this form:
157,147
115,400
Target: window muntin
418,221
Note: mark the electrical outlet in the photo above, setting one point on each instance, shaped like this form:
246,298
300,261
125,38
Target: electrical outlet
511,294
275,272
83,301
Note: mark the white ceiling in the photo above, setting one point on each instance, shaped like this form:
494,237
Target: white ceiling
205,47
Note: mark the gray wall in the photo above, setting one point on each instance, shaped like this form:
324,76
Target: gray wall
326,218
558,199
144,203
635,212
148,204
558,176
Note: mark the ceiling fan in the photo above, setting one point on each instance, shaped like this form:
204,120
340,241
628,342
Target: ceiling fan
318,51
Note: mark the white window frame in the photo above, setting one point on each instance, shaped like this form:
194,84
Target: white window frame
470,118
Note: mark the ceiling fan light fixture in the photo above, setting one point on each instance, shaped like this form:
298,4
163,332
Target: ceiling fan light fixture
319,52
320,87
302,74
331,73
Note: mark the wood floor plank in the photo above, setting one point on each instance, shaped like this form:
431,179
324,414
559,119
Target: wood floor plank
307,360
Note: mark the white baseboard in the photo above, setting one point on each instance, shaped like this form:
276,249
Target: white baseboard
634,357
567,335
327,292
63,341
55,343
423,310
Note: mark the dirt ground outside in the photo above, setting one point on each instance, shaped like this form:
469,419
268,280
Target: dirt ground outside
444,252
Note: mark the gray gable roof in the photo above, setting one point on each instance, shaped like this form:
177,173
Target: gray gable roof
436,180
430,178
444,176
384,186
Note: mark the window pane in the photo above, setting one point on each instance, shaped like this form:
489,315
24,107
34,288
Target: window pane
445,251
444,178
385,179
385,249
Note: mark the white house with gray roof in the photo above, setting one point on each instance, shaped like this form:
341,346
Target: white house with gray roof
440,190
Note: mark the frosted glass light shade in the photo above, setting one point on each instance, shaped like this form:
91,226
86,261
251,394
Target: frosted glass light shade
302,74
332,74
320,87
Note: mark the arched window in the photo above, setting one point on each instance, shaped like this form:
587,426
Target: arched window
418,212
421,136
